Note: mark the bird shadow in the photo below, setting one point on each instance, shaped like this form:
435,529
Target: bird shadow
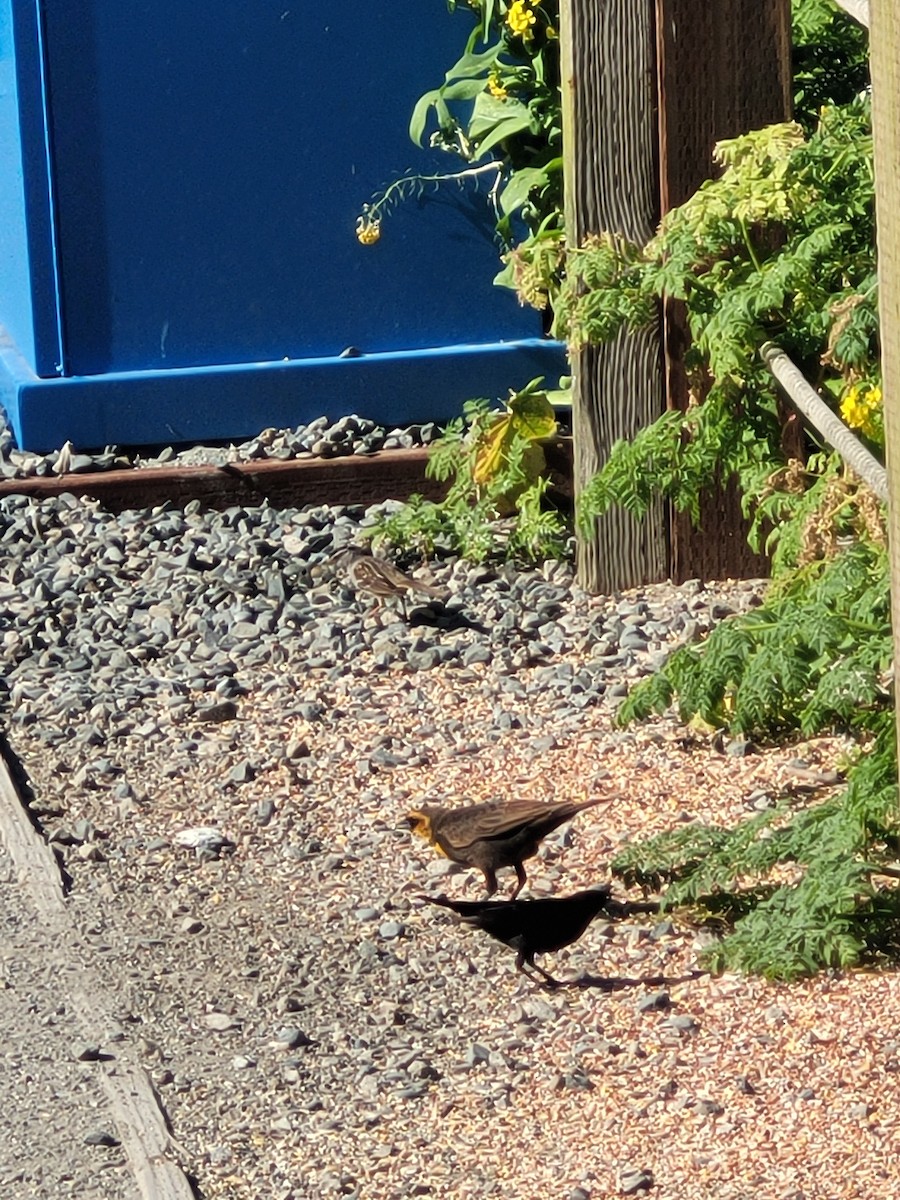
436,618
621,983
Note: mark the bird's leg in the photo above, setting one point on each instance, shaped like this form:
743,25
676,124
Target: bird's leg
521,877
490,879
549,981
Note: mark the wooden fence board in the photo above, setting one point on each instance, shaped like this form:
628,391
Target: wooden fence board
140,1121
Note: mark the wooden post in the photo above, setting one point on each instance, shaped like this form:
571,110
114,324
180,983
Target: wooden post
610,136
884,51
648,87
724,69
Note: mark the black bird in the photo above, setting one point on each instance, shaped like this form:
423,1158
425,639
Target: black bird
495,834
531,927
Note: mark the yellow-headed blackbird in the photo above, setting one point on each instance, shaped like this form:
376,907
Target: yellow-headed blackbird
368,573
493,835
531,927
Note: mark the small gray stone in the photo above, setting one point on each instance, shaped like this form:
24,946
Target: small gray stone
662,930
477,653
739,748
653,1002
220,1022
242,772
225,710
477,1054
88,1053
265,811
290,1037
101,1137
633,1180
681,1023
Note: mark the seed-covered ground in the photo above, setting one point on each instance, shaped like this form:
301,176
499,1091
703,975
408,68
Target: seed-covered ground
222,741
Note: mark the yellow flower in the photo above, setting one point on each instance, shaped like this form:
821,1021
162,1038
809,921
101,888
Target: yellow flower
368,230
496,88
520,18
861,408
551,33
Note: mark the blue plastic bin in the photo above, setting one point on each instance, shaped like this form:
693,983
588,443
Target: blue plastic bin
179,187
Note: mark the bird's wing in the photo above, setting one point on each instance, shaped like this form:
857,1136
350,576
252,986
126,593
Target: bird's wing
392,574
375,575
484,822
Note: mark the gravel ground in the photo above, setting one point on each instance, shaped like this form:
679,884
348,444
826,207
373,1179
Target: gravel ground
222,741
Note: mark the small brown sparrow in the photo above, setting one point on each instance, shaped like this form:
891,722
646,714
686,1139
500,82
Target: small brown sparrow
368,573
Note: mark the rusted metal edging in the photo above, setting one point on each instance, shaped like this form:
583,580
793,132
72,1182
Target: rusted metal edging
351,479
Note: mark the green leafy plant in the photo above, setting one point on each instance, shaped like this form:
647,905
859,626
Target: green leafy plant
830,58
840,907
779,247
494,463
498,110
814,658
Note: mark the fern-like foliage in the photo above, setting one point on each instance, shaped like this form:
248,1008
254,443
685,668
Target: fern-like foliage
830,58
779,247
814,657
825,919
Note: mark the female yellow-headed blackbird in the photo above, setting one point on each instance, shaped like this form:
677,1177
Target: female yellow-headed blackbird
531,927
493,835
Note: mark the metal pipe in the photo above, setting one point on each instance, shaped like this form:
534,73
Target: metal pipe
858,10
831,427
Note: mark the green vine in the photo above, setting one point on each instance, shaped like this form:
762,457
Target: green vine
497,109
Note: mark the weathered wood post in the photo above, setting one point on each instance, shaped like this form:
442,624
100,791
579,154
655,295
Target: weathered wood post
884,53
611,182
648,87
724,69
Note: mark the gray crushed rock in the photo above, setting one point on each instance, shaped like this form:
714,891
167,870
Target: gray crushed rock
222,740
320,438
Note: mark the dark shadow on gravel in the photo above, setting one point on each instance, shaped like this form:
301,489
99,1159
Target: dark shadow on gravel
620,983
450,621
